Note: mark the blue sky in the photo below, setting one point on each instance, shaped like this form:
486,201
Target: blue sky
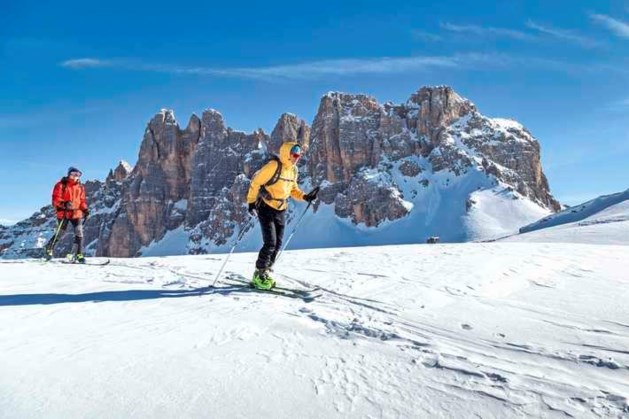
80,79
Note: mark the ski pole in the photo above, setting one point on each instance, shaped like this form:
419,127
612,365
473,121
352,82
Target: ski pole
54,238
240,236
293,232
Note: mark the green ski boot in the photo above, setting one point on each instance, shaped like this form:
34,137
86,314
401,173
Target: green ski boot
79,258
261,280
48,254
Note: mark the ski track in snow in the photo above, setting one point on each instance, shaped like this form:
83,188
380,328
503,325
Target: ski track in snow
467,330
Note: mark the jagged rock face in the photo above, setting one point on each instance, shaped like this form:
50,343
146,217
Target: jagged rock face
120,173
289,127
344,136
160,179
218,160
353,132
225,218
370,202
436,108
512,146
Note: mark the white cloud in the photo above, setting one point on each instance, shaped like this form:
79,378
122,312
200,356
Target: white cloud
87,63
356,66
564,34
619,27
489,31
306,70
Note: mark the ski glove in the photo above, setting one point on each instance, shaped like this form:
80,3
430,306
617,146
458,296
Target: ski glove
312,195
67,205
252,209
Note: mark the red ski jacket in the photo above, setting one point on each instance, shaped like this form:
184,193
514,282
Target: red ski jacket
72,193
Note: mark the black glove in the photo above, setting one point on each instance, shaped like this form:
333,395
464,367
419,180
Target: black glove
312,195
67,205
253,209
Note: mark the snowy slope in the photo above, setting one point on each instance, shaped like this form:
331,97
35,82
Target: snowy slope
604,220
578,212
492,330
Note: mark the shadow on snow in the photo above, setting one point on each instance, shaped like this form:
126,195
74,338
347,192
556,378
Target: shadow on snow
128,295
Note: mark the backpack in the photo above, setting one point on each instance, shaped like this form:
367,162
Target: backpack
276,176
278,170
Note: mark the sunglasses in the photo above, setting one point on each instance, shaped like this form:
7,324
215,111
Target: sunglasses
295,152
75,174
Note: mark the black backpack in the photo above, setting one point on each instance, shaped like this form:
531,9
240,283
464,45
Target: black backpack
276,176
278,170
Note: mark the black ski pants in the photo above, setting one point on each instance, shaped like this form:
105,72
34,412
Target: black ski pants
272,223
62,225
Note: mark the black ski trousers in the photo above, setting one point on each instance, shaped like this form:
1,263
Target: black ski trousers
78,234
272,223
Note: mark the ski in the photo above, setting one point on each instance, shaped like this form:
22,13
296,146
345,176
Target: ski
302,291
306,296
103,263
70,262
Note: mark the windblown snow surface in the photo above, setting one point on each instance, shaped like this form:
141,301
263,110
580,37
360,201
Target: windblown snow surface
489,330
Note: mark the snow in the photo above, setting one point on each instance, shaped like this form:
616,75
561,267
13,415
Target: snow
174,242
126,165
498,213
492,330
506,123
578,212
181,205
610,225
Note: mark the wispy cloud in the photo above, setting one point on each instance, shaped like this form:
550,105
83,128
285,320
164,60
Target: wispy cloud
306,70
425,36
353,66
489,31
564,34
619,27
87,63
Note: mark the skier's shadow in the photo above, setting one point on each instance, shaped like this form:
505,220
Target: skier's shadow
103,296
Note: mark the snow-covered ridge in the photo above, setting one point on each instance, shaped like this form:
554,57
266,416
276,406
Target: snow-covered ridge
578,212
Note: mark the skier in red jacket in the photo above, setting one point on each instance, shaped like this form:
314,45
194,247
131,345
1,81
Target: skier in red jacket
68,198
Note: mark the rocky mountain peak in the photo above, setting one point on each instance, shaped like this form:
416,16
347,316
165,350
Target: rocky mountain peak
120,173
437,107
289,127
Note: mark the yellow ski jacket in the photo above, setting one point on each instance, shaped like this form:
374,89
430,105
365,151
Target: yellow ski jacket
286,185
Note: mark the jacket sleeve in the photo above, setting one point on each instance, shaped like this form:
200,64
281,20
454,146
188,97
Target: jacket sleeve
83,205
261,177
57,197
297,193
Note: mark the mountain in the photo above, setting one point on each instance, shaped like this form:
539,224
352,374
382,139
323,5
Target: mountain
603,220
491,330
389,173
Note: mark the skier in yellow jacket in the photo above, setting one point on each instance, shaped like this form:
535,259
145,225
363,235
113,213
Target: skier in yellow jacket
271,186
